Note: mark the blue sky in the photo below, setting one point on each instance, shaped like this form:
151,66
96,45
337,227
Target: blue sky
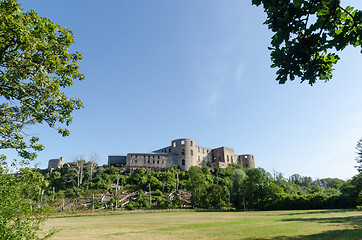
160,70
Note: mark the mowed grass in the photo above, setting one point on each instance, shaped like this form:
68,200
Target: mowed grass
311,224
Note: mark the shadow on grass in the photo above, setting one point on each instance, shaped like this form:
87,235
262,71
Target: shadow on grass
306,212
354,234
355,221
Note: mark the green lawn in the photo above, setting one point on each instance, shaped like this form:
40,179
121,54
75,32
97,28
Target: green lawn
316,224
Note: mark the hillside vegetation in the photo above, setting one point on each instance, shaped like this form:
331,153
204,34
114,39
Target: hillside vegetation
87,187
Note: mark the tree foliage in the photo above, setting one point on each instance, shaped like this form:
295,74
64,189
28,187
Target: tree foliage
307,35
352,191
21,207
35,67
200,187
359,156
238,189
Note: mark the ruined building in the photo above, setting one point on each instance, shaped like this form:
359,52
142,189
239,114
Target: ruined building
183,153
56,164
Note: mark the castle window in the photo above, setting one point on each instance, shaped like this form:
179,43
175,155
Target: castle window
203,150
183,162
245,156
227,157
148,161
169,150
158,157
199,158
182,142
158,162
135,161
191,143
198,149
246,165
208,151
192,152
174,144
183,152
232,160
153,161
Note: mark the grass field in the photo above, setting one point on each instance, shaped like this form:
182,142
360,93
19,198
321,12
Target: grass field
316,224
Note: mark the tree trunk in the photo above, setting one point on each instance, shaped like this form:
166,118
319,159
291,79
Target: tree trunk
177,183
244,204
116,193
149,187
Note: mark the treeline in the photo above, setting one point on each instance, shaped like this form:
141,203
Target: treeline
200,187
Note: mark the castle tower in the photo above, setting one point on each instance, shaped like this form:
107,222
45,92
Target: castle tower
247,160
186,150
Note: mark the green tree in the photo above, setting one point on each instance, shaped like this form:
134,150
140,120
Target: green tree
289,187
197,185
35,67
359,155
238,189
214,197
308,34
143,199
352,191
260,191
21,207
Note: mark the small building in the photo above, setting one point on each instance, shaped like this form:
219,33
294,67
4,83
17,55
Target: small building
56,164
117,160
183,153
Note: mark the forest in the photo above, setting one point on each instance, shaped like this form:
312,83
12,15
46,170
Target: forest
86,186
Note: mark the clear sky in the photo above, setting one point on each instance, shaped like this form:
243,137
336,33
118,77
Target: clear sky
200,69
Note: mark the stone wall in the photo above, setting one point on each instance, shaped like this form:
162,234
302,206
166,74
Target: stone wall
56,164
247,160
150,160
184,153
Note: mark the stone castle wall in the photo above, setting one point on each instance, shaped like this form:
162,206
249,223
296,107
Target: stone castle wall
184,153
56,164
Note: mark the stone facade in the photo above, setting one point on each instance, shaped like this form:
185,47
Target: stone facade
56,164
247,160
183,153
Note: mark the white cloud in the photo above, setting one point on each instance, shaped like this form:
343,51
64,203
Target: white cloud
239,75
213,98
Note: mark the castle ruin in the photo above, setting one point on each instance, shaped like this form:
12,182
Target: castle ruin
182,153
56,164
